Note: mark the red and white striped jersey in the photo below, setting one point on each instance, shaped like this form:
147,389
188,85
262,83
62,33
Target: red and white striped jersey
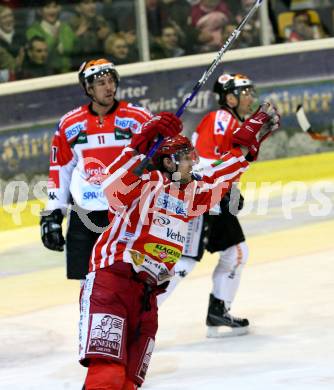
213,135
83,147
152,212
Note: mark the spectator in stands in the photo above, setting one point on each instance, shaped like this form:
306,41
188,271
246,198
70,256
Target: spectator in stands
58,35
177,13
117,48
210,28
227,31
251,33
204,7
167,45
302,28
7,66
120,15
10,40
22,12
154,17
35,63
91,31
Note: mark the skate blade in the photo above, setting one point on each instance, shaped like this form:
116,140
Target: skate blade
216,332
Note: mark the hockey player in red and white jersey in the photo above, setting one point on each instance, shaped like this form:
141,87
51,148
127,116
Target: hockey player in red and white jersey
134,258
87,140
212,138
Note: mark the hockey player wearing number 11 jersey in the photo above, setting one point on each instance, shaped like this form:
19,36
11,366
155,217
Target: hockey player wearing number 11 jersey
87,139
133,260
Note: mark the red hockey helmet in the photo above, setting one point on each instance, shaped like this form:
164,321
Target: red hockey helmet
174,148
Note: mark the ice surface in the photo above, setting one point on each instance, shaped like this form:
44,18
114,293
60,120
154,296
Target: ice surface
291,344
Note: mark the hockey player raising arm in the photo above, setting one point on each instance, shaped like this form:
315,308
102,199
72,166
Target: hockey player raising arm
133,260
221,232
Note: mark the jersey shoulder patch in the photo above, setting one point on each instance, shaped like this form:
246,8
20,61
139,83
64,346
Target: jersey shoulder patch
222,121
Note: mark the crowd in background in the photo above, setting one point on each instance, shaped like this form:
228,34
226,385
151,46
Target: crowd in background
44,37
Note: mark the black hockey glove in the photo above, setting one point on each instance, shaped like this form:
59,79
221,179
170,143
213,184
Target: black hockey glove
51,231
232,201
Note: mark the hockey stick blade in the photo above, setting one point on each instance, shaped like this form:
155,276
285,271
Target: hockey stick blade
306,126
302,119
207,73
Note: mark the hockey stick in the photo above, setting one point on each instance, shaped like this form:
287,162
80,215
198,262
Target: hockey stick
305,125
207,73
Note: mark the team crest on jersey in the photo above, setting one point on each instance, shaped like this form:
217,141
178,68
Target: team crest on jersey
106,334
171,204
73,130
222,121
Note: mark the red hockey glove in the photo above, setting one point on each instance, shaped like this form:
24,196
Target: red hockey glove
165,123
256,129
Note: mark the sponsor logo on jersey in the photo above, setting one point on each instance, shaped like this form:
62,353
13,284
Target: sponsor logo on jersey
95,176
222,121
106,333
175,235
167,228
90,195
81,139
161,220
52,196
221,127
165,253
171,204
126,238
73,130
137,257
122,134
155,269
127,123
95,171
146,359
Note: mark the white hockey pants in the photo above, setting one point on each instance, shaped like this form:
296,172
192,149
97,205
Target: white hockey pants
226,276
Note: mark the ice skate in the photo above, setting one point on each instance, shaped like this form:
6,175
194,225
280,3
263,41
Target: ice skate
222,324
